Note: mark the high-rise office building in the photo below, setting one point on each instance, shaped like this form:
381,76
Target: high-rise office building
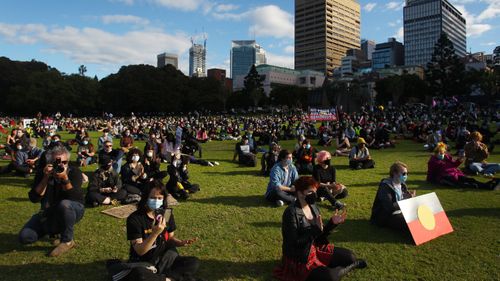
244,54
368,47
166,59
424,22
388,54
197,60
324,31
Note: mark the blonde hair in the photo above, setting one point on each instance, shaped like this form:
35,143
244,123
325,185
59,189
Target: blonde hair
441,147
396,168
476,136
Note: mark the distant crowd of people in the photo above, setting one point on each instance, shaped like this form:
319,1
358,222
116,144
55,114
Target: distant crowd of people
298,178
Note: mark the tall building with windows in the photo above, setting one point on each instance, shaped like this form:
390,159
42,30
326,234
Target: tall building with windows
244,54
166,59
368,47
197,60
388,54
424,21
324,31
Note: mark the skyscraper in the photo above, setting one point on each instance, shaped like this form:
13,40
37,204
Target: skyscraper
324,31
166,58
197,59
388,54
244,54
368,47
424,21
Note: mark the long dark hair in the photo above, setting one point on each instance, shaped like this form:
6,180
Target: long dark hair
156,184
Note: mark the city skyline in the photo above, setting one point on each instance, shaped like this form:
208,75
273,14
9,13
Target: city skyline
104,35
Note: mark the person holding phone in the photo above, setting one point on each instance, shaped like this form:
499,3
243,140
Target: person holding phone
150,231
385,209
307,253
59,189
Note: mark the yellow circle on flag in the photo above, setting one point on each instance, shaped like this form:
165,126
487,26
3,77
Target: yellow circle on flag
426,217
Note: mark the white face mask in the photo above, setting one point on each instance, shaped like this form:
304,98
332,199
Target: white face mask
19,147
85,142
150,154
135,158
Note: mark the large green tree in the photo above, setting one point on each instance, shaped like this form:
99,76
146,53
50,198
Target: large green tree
253,86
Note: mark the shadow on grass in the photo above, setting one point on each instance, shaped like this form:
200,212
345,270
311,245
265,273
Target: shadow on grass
237,173
266,224
368,184
363,231
18,199
49,271
237,201
16,181
10,242
218,270
475,212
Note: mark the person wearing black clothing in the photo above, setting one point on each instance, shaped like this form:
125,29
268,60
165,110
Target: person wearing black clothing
116,155
385,209
105,187
307,253
152,240
178,184
305,158
244,152
59,189
269,159
151,165
133,173
326,175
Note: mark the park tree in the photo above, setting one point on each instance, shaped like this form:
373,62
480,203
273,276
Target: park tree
82,69
445,71
253,86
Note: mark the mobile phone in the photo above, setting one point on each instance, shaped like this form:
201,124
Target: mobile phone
163,212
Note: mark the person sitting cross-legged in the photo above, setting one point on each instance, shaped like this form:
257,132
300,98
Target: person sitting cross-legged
280,189
360,158
326,175
105,187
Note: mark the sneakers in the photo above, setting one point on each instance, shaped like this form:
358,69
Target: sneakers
488,175
62,248
339,205
216,163
280,203
210,164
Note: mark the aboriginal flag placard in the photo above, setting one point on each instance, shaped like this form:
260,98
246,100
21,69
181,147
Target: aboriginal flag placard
425,217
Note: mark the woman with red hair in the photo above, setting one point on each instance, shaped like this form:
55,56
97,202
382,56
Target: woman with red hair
307,253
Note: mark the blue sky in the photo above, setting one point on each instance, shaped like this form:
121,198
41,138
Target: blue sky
106,34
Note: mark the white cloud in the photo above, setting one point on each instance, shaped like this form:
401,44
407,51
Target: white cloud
394,5
184,5
266,21
279,60
489,44
109,19
475,27
492,11
476,30
290,49
224,8
95,46
369,7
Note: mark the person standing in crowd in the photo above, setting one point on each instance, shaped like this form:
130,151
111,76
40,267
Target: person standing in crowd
476,154
280,189
385,209
326,175
307,253
151,232
360,158
443,169
105,187
58,188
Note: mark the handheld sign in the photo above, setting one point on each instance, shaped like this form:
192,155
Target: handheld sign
425,217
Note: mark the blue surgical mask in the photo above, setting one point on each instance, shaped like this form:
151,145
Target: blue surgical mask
308,146
403,178
154,204
289,162
440,156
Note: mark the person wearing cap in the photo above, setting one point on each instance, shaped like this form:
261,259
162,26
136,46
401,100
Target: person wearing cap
443,169
360,158
325,174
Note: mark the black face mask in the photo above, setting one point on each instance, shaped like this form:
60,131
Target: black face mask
327,162
311,198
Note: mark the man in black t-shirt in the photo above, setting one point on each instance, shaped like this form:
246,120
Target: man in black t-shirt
108,153
58,188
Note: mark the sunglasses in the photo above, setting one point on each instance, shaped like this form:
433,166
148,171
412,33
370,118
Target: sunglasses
404,174
109,146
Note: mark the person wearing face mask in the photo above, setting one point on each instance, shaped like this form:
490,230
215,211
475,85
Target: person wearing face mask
360,158
269,159
133,174
126,141
85,153
106,137
178,183
385,209
25,159
476,153
151,165
305,158
105,187
280,189
307,253
151,232
325,174
107,152
443,169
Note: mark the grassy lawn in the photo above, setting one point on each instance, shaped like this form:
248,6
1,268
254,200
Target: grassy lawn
240,234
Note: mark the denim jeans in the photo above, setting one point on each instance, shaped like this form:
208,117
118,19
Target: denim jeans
117,165
481,168
61,221
284,196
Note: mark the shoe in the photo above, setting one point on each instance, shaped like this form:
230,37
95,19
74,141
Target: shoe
216,163
62,248
339,205
358,264
488,175
280,203
210,164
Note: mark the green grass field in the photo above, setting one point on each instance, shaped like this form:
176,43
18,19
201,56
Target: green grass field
240,233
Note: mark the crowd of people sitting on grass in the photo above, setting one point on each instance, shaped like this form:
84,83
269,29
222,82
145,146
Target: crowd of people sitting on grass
298,178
